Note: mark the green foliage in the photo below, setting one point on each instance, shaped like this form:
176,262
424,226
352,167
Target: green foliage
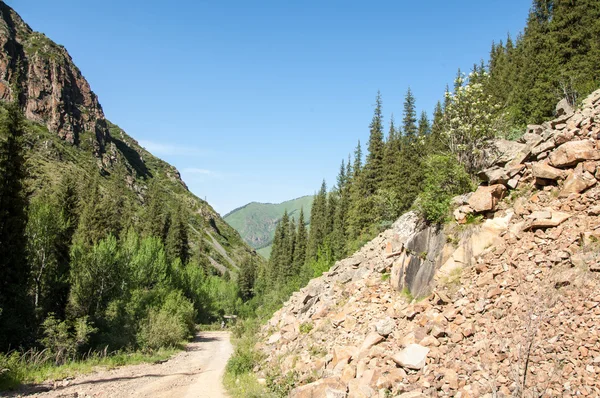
471,119
445,178
16,312
306,327
63,339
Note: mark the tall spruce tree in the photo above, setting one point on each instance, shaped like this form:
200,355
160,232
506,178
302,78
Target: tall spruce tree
300,244
16,312
178,246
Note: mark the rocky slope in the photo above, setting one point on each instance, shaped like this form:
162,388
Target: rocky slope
68,133
504,302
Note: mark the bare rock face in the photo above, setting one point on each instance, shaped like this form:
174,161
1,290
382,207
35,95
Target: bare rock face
49,87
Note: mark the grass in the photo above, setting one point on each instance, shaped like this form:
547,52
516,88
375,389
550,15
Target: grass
38,366
385,277
452,280
239,379
306,327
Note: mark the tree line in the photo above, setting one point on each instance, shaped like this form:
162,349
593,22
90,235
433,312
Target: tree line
86,266
421,164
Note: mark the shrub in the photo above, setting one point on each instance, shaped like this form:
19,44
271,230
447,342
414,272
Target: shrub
11,371
444,178
63,338
306,327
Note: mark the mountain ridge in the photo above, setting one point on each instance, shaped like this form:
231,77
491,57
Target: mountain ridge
53,94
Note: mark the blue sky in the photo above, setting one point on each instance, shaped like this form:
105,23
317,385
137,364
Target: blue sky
261,100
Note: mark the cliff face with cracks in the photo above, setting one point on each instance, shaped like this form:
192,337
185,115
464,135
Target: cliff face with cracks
49,87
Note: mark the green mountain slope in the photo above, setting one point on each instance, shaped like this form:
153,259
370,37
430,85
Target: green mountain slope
68,133
256,222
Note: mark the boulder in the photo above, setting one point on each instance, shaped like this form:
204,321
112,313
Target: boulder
573,152
385,326
370,340
557,218
543,147
563,108
578,181
544,170
486,198
329,387
505,151
413,357
494,175
535,129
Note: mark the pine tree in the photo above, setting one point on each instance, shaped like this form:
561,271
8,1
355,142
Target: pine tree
390,157
154,215
178,246
318,223
374,168
424,126
409,120
300,244
16,311
409,164
247,278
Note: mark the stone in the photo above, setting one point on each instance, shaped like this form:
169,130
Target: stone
494,175
564,108
328,387
414,356
535,129
370,340
563,137
385,326
411,394
544,170
573,152
557,218
274,338
543,147
506,151
343,353
577,182
486,198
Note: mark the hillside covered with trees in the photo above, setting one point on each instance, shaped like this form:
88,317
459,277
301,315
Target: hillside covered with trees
421,161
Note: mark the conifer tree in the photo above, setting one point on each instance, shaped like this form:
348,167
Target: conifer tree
300,244
318,223
424,126
247,278
178,246
14,268
374,168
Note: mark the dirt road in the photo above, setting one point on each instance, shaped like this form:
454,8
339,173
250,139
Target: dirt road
195,373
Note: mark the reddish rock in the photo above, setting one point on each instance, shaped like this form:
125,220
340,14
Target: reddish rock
578,181
573,152
486,198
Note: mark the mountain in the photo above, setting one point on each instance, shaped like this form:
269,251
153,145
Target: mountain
256,222
68,133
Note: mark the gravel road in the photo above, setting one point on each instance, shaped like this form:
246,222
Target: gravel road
196,372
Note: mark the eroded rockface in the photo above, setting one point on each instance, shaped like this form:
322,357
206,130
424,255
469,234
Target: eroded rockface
50,88
514,300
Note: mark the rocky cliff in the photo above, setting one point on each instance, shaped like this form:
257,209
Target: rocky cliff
42,76
503,302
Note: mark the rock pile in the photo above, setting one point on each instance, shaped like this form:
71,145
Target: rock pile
520,318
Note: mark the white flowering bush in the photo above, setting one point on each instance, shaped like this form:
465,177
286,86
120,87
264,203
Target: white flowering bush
471,120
